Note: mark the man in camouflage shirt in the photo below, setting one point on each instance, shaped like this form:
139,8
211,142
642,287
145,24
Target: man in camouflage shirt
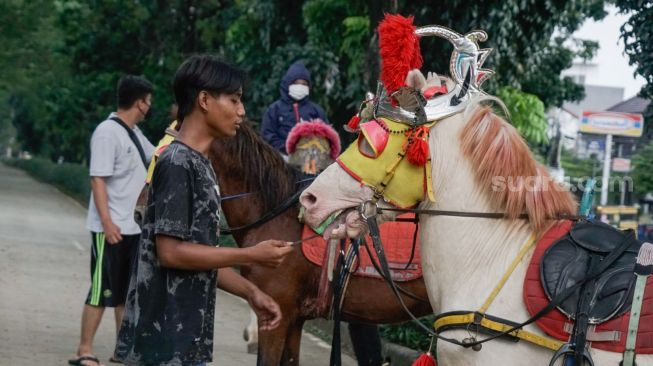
169,314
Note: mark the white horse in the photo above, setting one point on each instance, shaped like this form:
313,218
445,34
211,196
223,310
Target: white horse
479,164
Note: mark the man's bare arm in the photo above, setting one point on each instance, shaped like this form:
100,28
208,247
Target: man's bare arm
101,199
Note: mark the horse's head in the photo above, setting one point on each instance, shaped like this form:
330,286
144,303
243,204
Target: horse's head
468,145
390,161
312,146
373,167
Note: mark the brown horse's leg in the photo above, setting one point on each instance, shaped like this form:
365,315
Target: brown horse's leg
271,345
293,344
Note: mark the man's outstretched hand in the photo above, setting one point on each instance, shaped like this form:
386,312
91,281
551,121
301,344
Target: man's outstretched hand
267,310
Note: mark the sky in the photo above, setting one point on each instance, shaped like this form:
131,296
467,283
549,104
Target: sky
613,63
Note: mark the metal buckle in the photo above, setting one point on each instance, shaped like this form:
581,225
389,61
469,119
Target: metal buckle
368,209
568,350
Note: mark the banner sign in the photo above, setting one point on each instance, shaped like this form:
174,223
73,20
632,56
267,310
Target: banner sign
612,123
620,165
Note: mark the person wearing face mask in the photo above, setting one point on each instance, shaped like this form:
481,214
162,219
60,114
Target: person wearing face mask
118,167
294,106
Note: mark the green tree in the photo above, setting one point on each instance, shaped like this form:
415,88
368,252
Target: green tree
28,67
108,39
521,34
643,170
526,114
638,44
83,48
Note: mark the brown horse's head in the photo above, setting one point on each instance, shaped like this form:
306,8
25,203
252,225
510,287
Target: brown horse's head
312,146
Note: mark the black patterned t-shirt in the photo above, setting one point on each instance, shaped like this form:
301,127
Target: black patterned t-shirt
169,313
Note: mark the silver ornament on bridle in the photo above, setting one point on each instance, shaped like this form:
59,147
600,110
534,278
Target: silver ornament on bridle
466,73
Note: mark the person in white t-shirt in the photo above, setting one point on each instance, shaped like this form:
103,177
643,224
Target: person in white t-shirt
118,167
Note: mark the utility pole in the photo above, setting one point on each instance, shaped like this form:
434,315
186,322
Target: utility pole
606,169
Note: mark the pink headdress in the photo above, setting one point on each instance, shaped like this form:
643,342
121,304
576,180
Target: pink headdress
315,127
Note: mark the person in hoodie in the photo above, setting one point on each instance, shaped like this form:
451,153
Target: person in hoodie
294,106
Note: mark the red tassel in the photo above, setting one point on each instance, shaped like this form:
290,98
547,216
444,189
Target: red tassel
425,360
417,150
352,125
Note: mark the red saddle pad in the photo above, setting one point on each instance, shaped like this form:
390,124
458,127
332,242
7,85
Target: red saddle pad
397,239
553,323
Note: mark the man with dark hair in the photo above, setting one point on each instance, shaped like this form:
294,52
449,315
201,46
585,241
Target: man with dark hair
169,313
119,154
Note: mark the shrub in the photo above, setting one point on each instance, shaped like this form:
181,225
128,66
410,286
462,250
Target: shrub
409,334
72,179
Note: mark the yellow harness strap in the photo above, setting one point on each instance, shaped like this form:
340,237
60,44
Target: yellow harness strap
470,317
466,319
522,252
429,181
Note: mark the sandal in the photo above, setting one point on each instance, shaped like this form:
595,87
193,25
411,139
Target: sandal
78,361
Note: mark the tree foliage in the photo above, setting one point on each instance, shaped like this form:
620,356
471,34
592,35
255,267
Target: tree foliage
521,34
638,44
643,170
73,52
27,65
526,114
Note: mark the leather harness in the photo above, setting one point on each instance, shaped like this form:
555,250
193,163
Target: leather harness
481,322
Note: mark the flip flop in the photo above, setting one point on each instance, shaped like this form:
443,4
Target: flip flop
78,361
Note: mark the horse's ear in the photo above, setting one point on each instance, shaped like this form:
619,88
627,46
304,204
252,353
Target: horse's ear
415,79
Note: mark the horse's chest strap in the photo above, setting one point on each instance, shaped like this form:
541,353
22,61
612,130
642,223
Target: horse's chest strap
472,321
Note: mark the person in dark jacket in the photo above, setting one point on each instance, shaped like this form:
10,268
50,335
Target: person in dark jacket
293,107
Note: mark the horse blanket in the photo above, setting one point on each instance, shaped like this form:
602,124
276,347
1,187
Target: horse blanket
397,239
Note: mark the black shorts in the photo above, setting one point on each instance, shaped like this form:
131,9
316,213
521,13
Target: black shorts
111,266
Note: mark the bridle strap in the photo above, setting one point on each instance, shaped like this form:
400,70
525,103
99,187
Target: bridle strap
245,194
286,204
236,196
283,206
484,215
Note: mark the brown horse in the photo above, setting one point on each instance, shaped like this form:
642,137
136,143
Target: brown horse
247,164
311,147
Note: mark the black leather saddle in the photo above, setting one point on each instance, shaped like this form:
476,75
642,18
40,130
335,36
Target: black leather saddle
582,252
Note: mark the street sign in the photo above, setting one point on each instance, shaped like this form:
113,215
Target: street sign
612,123
620,165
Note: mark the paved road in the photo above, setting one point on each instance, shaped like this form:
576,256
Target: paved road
44,278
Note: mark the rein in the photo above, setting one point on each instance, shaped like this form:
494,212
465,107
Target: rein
245,194
281,208
369,209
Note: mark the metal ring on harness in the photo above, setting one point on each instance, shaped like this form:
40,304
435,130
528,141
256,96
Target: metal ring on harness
568,351
368,214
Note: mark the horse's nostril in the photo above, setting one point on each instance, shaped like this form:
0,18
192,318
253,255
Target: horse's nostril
307,199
